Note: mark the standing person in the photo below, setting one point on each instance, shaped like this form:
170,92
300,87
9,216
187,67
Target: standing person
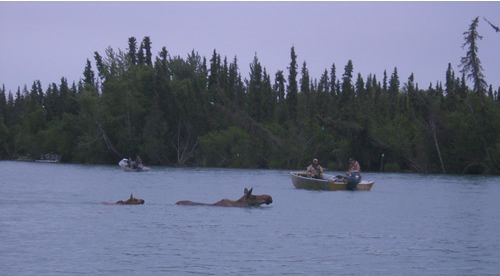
315,170
353,174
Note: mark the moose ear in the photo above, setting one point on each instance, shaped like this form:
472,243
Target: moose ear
247,192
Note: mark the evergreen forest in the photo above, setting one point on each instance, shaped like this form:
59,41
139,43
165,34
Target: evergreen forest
198,111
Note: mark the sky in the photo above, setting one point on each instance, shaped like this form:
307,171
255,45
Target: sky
49,40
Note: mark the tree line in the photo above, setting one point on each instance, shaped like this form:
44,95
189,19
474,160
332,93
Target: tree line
197,112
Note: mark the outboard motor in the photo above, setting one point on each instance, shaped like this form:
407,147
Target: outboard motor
353,181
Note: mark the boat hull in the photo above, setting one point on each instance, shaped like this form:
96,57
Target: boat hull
139,169
47,161
326,184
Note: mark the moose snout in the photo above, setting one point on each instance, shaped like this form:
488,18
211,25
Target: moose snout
269,200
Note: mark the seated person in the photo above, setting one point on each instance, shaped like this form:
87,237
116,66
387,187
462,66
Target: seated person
353,174
315,170
138,160
353,167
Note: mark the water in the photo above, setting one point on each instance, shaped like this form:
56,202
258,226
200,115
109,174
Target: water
53,222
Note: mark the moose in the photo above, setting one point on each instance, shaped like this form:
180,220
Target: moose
247,200
131,201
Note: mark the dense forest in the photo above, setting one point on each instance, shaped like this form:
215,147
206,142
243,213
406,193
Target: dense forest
196,111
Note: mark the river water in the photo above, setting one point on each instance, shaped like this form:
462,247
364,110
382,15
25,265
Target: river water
53,222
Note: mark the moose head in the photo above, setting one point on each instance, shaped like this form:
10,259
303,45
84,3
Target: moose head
254,200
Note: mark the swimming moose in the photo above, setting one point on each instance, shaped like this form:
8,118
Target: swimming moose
247,200
131,201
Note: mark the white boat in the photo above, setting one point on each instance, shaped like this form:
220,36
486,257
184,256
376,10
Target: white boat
49,158
124,164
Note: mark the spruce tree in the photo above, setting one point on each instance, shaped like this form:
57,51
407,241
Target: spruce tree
394,83
279,90
305,100
132,50
347,87
101,69
213,78
232,79
333,80
471,64
269,97
450,82
141,59
291,96
161,65
88,75
376,88
224,75
324,84
360,86
146,44
304,80
411,97
3,101
384,82
393,92
279,86
255,90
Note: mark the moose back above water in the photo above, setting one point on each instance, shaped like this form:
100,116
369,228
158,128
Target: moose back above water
247,200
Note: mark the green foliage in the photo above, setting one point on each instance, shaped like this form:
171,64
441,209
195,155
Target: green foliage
60,137
233,147
181,111
4,134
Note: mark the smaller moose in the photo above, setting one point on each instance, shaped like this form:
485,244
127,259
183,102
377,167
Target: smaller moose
131,201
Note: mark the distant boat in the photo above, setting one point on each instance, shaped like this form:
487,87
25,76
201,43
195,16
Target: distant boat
124,164
328,183
49,158
25,158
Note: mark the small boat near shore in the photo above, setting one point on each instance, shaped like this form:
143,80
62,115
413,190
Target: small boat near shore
329,183
126,166
49,158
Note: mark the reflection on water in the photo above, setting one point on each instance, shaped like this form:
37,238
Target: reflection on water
52,221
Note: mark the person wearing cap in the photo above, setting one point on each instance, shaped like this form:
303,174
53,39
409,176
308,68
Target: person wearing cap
315,170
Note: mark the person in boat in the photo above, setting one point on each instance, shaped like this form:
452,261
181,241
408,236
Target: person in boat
353,167
353,174
138,161
131,163
315,170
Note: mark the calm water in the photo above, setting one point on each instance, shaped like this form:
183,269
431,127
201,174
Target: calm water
52,221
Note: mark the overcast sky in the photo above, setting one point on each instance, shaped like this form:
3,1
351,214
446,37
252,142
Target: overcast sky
49,40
